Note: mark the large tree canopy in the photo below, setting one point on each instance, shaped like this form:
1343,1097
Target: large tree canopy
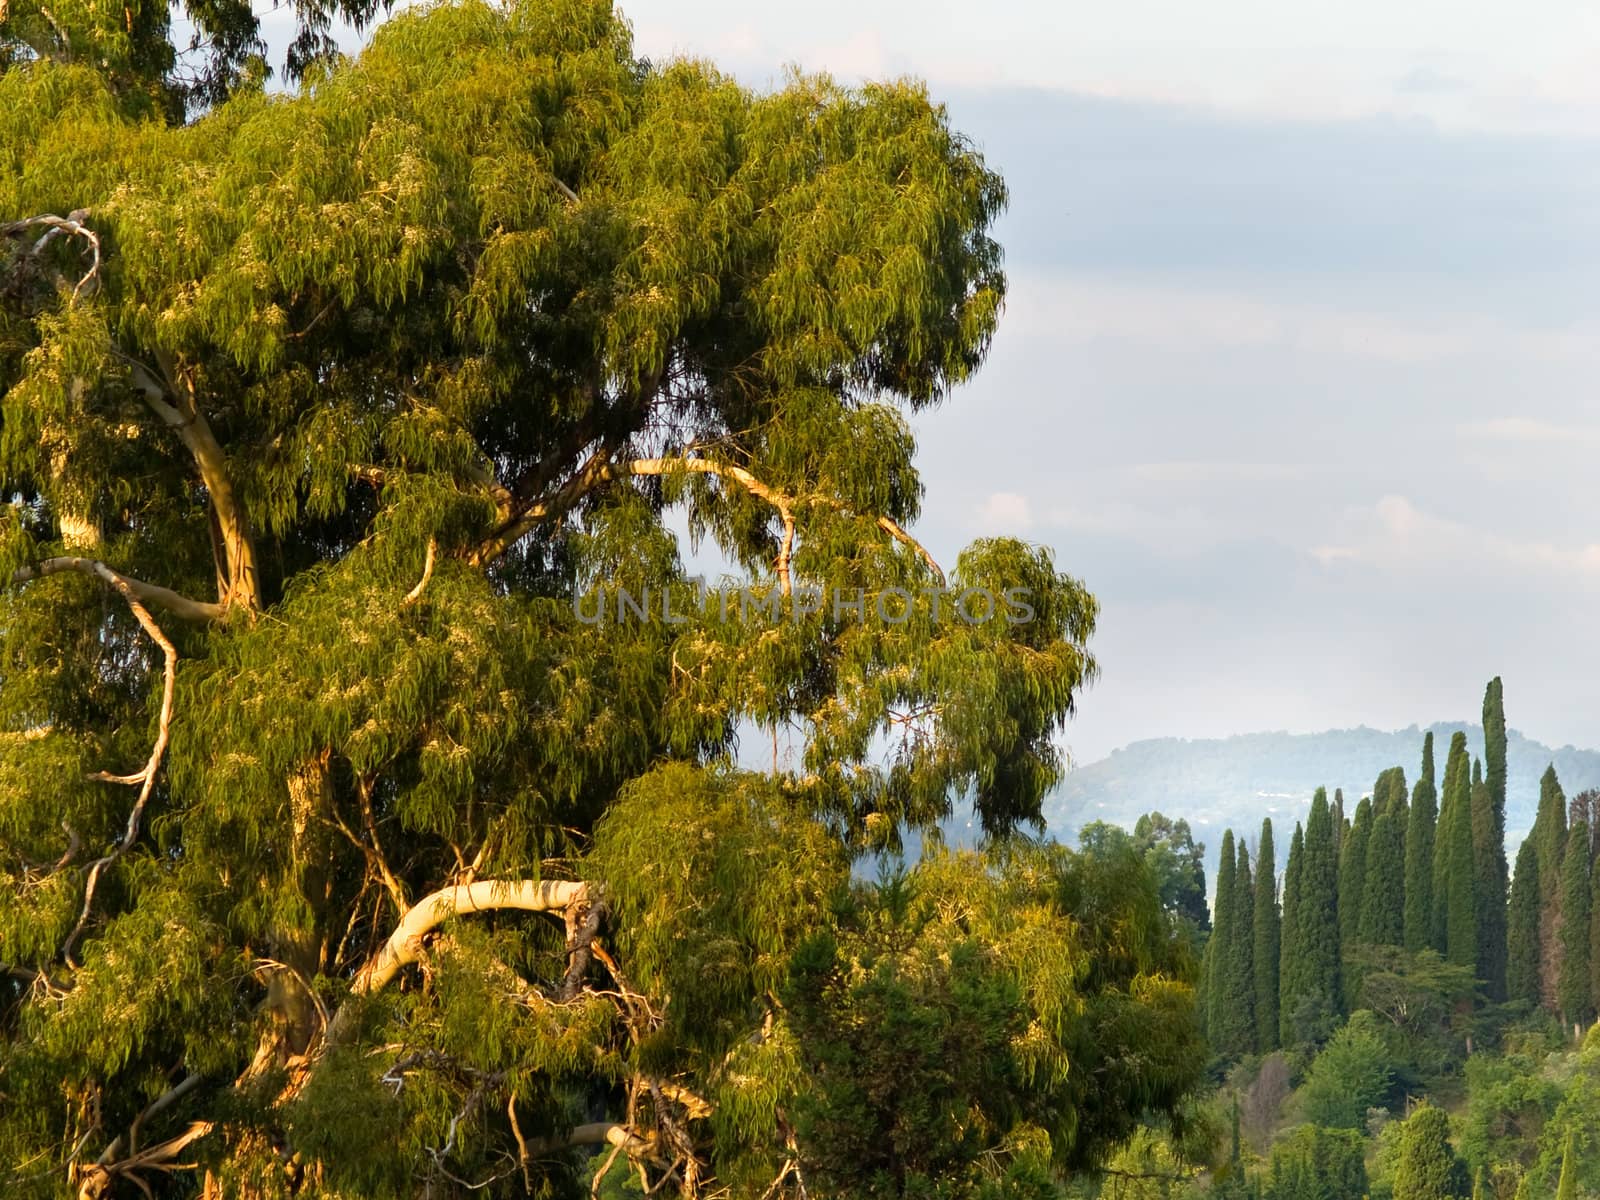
359,836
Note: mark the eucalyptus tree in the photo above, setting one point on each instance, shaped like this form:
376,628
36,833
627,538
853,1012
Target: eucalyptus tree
372,819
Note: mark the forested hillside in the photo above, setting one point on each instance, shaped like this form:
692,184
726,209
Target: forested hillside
1397,961
1236,781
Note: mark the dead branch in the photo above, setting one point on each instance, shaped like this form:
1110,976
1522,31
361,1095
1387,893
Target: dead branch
146,779
149,593
71,225
95,1181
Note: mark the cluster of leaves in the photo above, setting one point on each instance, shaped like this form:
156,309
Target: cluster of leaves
412,370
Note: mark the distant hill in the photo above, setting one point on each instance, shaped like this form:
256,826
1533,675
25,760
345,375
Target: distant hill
1235,782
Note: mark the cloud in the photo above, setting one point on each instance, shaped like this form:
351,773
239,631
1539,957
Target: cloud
1177,316
1526,429
1204,472
1395,535
1006,512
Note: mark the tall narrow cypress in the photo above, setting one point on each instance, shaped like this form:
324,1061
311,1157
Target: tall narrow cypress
1454,901
1221,945
1353,875
1383,900
1268,933
1489,865
1289,938
1523,949
1573,990
1460,895
1594,935
1238,1036
1318,918
1419,855
1549,838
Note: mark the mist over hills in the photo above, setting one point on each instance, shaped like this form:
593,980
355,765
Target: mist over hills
1234,782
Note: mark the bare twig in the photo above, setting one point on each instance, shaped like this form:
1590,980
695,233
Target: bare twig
146,779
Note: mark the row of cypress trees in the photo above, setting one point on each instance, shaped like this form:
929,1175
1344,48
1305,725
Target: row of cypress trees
1424,872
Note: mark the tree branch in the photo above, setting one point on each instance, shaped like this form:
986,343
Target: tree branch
146,779
71,225
178,407
596,471
597,1133
149,593
405,943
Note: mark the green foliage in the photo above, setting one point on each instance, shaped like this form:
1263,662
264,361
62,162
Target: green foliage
1420,833
1573,994
1353,871
396,382
1428,1168
1231,980
1178,862
1219,950
1312,1163
1489,848
1348,1076
1289,989
1455,902
1318,970
1575,1083
1383,900
1567,1188
1267,925
1510,1100
1524,928
943,1050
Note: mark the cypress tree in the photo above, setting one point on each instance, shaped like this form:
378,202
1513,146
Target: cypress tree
1289,938
1221,945
1494,751
1573,989
1238,1035
1429,1168
1523,942
1549,838
1268,932
1419,855
1489,881
1353,874
1594,936
1318,918
1461,902
1567,1188
1455,904
1383,900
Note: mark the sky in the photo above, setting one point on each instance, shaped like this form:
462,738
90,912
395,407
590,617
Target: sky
1298,366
